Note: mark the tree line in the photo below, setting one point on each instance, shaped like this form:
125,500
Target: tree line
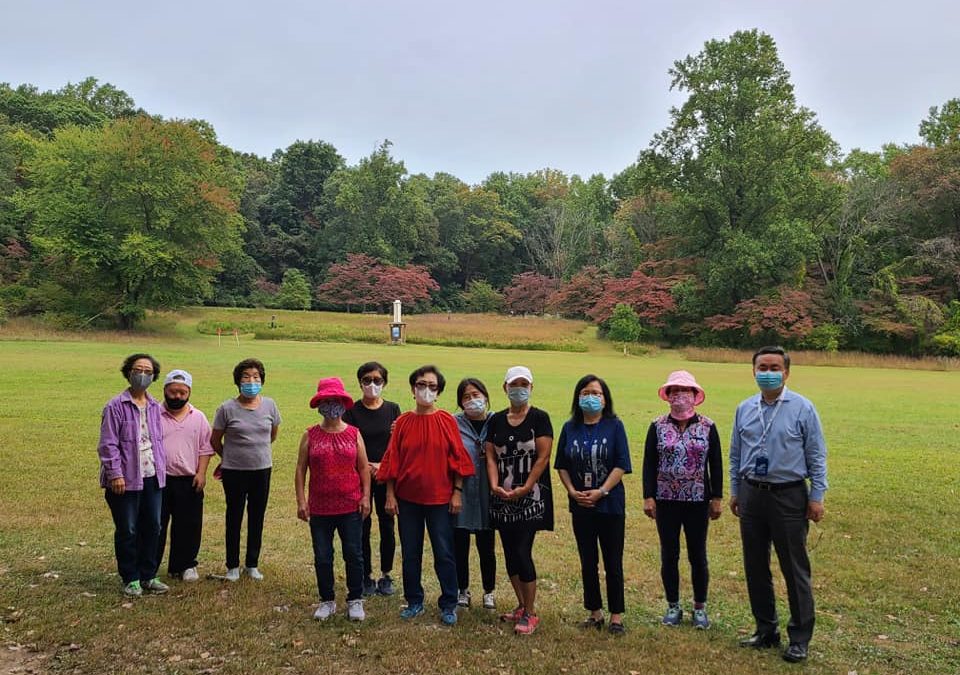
740,221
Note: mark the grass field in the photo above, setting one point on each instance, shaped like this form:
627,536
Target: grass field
886,558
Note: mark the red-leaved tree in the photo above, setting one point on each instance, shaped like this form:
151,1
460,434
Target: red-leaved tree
649,297
529,293
576,297
784,315
363,281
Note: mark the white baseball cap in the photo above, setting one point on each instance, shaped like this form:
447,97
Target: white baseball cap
178,377
516,372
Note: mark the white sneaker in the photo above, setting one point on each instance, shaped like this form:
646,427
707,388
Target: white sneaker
463,598
488,601
190,574
253,573
233,574
326,609
355,610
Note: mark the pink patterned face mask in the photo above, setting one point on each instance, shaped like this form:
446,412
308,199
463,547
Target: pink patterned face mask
681,404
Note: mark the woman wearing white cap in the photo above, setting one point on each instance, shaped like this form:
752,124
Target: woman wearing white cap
518,445
683,489
186,437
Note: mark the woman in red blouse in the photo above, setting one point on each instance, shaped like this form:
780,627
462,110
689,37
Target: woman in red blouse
423,468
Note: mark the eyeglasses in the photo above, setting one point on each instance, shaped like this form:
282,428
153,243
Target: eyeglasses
427,385
371,380
142,371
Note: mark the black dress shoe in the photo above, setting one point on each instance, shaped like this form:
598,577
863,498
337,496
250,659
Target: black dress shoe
762,641
795,653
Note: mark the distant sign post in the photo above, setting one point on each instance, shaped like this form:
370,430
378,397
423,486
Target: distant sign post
397,326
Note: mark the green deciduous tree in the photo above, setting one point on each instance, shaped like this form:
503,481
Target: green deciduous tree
294,291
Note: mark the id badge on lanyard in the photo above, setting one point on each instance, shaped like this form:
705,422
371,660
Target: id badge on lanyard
761,465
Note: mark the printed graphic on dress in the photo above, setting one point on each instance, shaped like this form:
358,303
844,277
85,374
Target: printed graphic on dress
514,468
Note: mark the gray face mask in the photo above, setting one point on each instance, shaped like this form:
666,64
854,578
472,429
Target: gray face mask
140,381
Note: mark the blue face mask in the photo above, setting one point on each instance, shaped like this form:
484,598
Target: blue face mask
250,389
769,380
518,395
332,409
591,403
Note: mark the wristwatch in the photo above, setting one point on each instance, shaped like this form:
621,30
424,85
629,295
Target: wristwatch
604,491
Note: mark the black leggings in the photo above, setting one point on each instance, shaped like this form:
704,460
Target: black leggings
518,553
486,539
249,489
388,540
693,518
591,529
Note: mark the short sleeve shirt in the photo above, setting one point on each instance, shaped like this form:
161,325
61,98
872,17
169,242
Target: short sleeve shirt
246,434
516,452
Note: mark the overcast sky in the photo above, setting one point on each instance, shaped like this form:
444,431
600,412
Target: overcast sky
474,87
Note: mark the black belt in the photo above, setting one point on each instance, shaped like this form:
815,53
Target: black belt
773,487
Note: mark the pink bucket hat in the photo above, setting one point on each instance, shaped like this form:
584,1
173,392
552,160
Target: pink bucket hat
331,387
681,378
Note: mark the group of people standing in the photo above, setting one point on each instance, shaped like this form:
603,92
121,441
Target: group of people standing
468,475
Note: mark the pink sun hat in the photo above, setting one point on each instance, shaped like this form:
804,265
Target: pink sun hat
331,387
681,378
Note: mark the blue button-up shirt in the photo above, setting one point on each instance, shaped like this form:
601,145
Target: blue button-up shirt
794,445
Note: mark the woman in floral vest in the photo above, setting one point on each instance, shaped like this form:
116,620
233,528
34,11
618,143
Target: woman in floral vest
683,490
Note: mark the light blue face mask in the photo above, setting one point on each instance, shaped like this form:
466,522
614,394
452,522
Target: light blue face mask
475,405
250,389
768,380
518,395
591,404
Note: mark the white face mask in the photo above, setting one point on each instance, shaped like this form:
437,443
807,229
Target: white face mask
426,396
372,390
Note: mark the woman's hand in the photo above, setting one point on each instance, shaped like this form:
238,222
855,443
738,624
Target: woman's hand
650,507
456,502
374,467
364,507
303,513
500,492
118,486
199,482
390,505
589,498
716,508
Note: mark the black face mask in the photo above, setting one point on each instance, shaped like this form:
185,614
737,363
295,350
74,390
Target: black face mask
175,403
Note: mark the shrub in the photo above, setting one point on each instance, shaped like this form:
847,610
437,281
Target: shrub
623,325
481,297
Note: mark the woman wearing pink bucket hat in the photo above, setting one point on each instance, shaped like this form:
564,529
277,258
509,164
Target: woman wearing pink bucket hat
683,490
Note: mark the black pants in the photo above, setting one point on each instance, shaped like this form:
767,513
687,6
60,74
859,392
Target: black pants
249,489
607,530
488,559
777,517
518,553
184,506
388,540
693,518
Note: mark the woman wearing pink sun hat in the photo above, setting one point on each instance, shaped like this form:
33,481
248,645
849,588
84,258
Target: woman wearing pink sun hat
683,490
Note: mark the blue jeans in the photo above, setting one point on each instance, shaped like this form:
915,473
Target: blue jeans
350,528
440,524
136,516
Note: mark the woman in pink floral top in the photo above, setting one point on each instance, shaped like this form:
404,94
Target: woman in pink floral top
683,490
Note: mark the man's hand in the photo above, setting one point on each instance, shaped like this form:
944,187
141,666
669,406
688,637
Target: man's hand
815,511
734,507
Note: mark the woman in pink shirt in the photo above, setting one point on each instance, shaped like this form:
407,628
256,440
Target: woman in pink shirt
334,454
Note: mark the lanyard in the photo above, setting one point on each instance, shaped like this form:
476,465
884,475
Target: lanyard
766,427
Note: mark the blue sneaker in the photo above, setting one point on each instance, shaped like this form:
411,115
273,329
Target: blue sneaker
700,619
411,611
448,617
673,617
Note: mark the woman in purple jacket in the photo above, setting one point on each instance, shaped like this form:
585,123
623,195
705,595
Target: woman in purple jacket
133,473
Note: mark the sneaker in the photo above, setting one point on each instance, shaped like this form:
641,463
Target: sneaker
253,573
133,589
326,609
700,619
673,617
385,585
233,574
513,616
369,587
527,624
463,598
411,611
155,586
448,617
489,602
355,610
190,574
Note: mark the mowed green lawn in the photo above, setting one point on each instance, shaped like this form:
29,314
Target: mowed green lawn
886,558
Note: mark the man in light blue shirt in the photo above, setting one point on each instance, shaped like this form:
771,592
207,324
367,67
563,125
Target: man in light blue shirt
777,445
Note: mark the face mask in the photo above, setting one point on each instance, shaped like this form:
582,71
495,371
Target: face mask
518,394
426,396
681,405
475,405
769,380
332,409
250,389
140,381
591,403
175,403
372,390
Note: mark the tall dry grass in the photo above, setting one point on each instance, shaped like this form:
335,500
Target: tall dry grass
836,359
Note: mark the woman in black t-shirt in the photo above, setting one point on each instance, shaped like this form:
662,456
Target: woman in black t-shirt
518,445
374,417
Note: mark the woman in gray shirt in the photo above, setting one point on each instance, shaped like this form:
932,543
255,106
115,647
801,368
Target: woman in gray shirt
243,430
